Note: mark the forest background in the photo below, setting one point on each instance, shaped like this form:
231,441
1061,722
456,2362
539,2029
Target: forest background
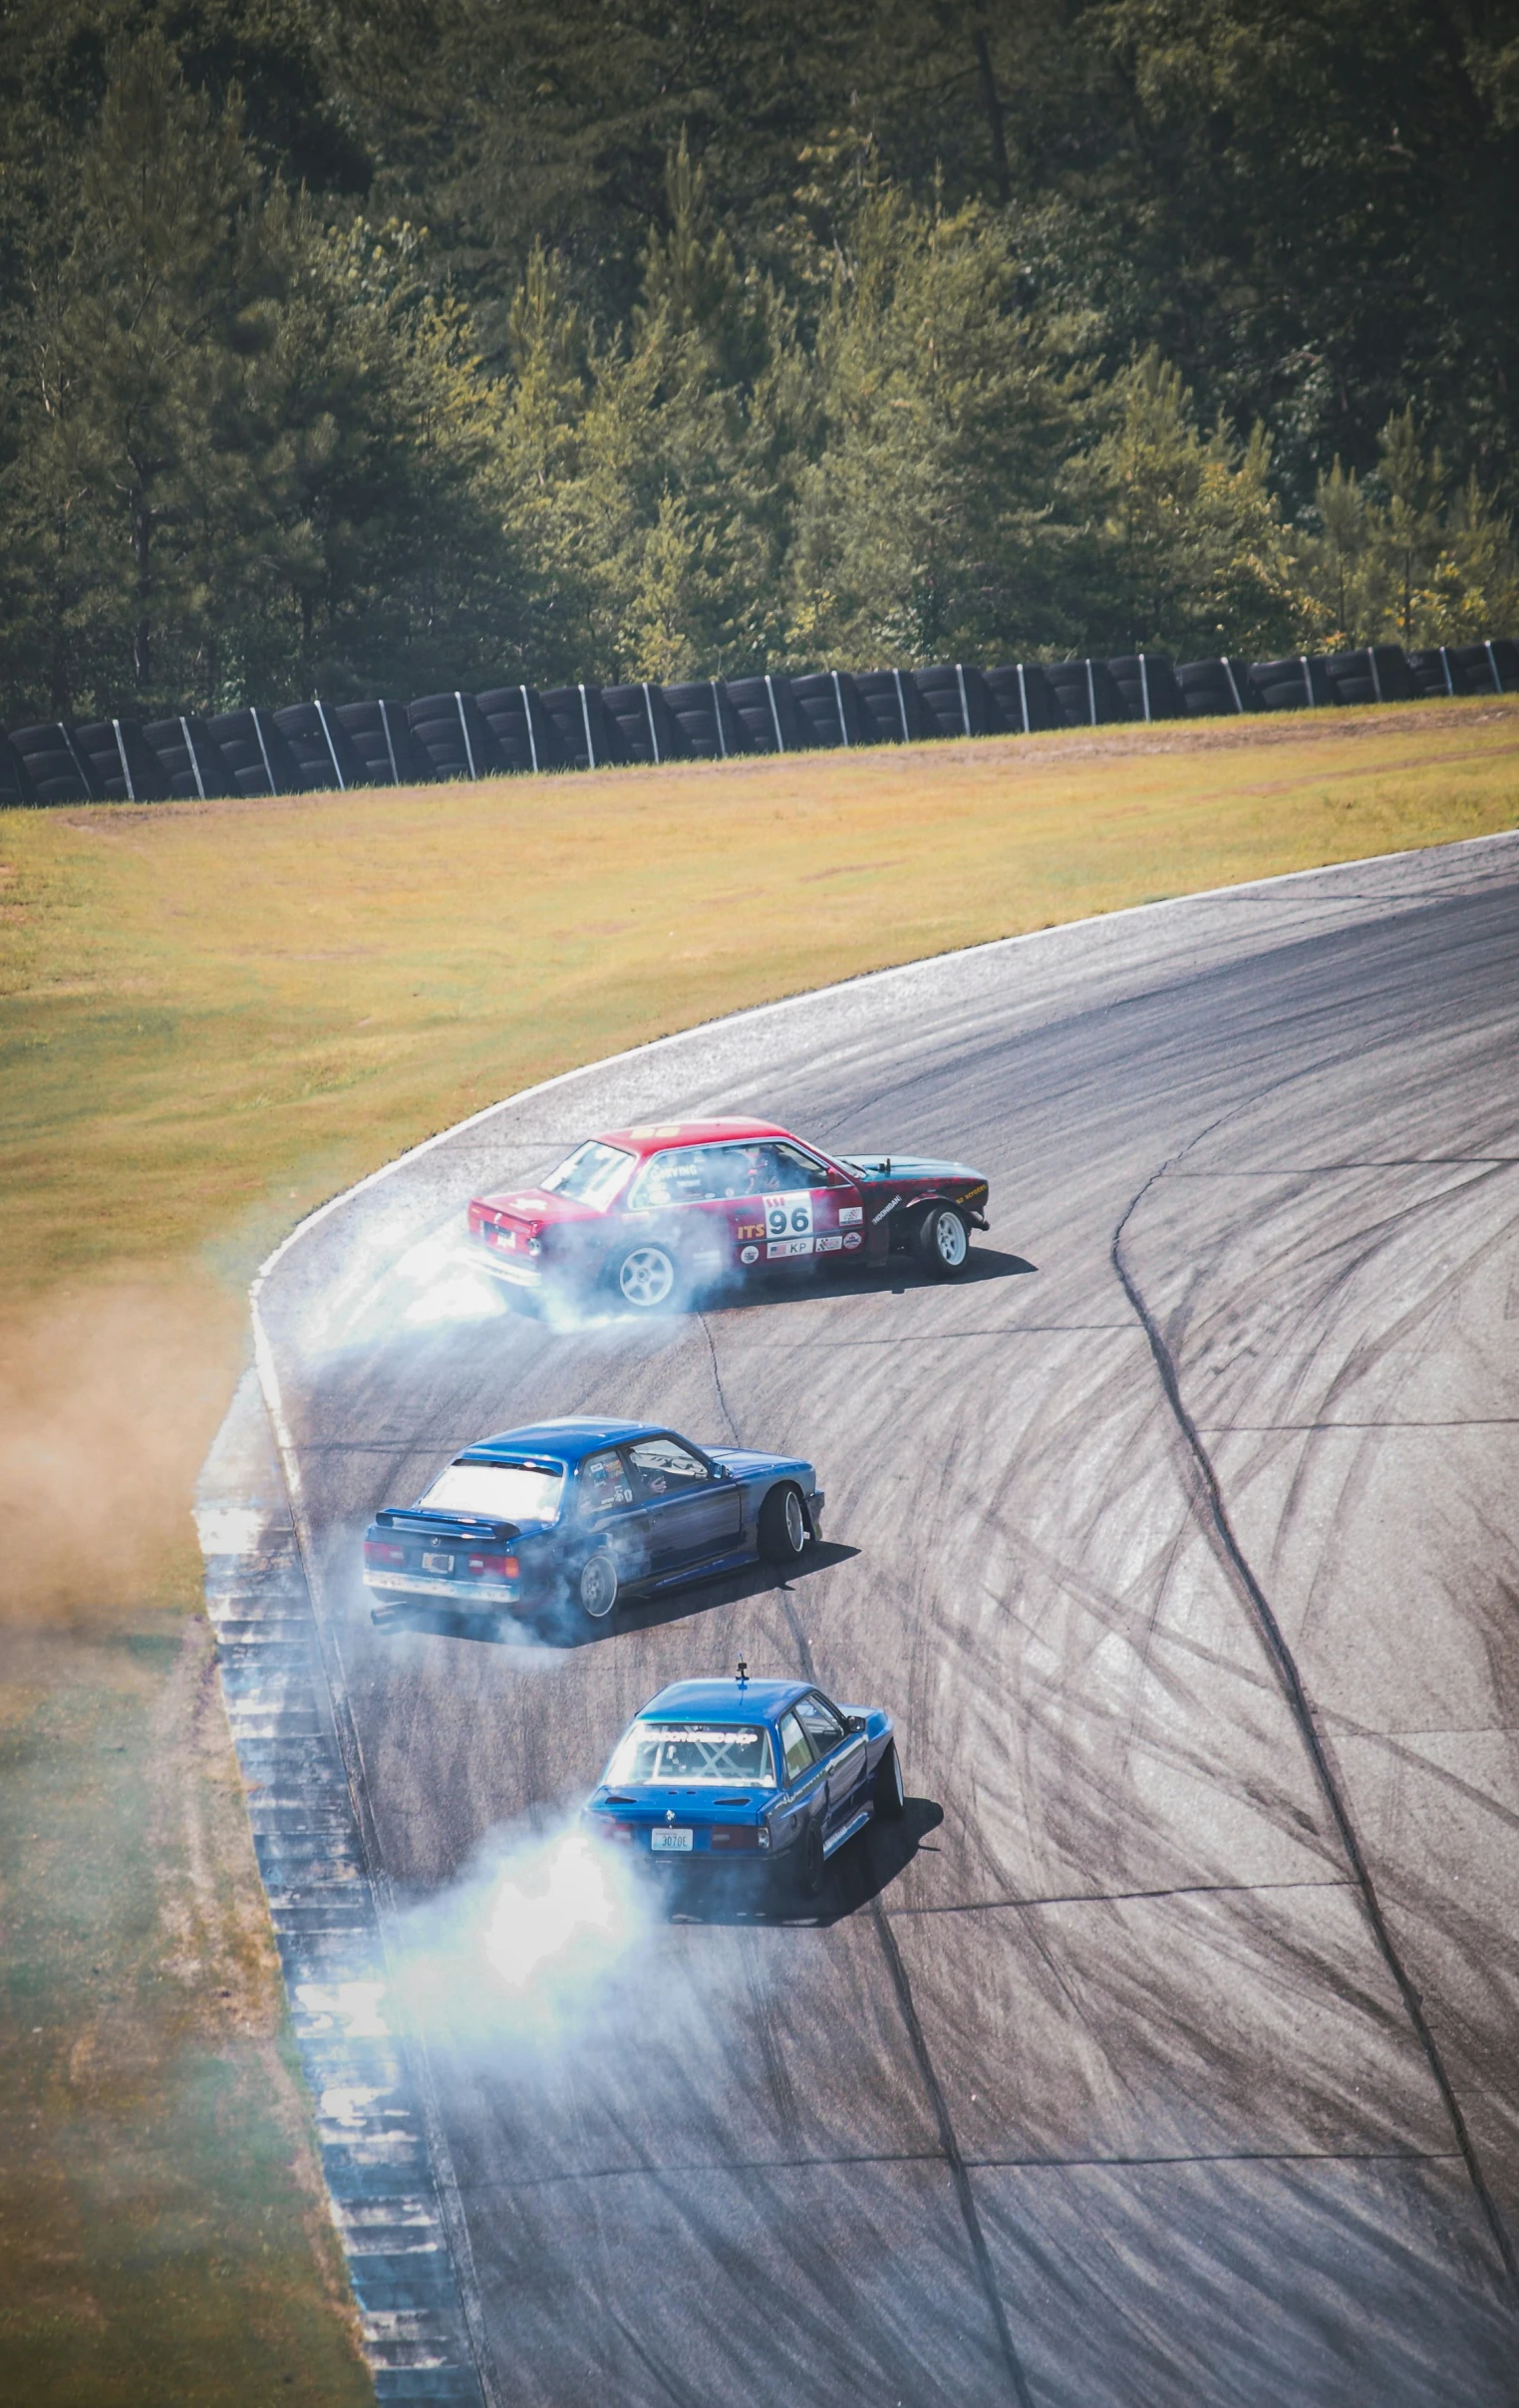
394,343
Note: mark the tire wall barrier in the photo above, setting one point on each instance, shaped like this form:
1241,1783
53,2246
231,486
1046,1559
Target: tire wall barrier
327,748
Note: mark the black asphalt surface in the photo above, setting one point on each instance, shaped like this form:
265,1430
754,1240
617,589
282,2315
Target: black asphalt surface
1168,2054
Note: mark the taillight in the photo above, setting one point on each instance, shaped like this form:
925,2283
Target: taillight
380,1551
492,1567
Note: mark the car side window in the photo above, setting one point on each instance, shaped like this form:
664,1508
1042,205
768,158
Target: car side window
820,1723
604,1483
664,1469
703,1174
796,1747
795,1170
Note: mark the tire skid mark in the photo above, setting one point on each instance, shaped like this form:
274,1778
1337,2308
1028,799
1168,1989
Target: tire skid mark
964,2197
948,2143
1215,1515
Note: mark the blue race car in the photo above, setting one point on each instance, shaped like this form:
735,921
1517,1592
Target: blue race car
766,1774
586,1511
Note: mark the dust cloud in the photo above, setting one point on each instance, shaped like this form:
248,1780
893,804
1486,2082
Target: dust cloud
109,1400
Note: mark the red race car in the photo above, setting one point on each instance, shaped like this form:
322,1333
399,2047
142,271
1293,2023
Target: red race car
655,1214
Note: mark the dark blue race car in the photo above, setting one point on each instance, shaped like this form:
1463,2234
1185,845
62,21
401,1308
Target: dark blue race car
767,1775
583,1512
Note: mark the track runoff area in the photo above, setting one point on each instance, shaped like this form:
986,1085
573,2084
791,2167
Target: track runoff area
1165,2052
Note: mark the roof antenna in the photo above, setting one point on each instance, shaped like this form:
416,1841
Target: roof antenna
743,1672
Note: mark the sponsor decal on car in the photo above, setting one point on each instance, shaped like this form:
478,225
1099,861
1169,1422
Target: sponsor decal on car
748,1254
787,1216
853,1238
829,1245
788,1246
851,1212
744,1230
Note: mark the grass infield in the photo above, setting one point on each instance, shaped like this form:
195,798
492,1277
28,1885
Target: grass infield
213,1017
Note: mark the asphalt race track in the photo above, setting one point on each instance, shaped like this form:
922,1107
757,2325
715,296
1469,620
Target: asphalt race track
1170,2056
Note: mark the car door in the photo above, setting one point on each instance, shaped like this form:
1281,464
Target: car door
608,1512
811,1209
694,1511
805,1778
842,1755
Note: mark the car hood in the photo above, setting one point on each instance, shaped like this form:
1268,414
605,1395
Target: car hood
741,1461
904,1166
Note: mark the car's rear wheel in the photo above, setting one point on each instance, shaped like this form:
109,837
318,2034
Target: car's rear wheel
598,1584
783,1526
942,1241
647,1278
890,1800
811,1863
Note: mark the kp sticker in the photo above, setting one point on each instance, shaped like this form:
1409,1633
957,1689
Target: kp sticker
787,1216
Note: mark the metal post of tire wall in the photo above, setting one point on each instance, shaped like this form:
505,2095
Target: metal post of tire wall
385,729
263,749
121,754
332,749
190,747
464,728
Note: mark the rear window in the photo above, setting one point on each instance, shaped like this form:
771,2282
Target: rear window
592,1174
507,1492
692,1755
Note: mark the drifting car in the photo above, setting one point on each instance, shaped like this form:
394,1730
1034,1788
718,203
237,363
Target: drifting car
766,1775
653,1213
587,1511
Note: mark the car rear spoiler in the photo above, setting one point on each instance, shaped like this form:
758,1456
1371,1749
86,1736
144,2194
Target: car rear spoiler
427,1525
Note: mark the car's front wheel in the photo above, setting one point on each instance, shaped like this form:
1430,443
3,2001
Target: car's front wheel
647,1278
944,1241
598,1584
890,1800
783,1526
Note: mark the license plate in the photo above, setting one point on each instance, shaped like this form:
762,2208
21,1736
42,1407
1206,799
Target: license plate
670,1843
437,1562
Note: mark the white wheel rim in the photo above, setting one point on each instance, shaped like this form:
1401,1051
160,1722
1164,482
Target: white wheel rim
647,1276
796,1529
597,1590
949,1237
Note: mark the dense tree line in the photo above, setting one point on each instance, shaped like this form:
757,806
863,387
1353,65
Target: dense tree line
429,340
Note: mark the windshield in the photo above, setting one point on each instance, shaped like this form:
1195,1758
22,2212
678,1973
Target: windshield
507,1492
691,1755
592,1174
